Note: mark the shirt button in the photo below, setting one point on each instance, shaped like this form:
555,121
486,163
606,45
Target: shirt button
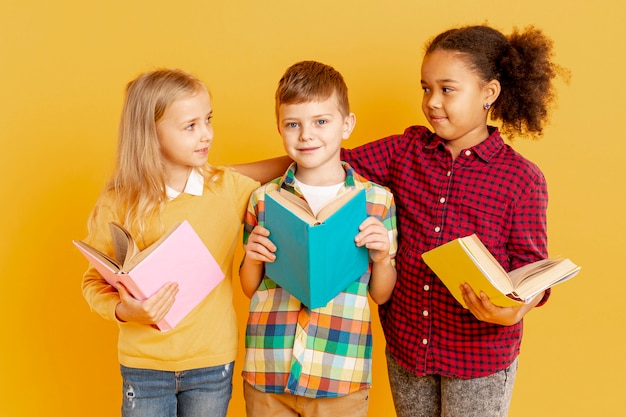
426,287
437,229
442,200
424,341
448,173
468,153
425,313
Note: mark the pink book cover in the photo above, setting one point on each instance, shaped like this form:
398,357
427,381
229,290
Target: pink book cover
181,258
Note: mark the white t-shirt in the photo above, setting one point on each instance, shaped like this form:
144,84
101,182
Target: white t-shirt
318,195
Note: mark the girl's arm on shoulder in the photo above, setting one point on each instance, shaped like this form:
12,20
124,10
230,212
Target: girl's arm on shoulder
264,170
374,159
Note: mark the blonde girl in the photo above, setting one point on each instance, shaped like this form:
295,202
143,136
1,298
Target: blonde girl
162,177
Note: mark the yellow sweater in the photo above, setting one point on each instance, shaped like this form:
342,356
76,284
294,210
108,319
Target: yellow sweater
208,335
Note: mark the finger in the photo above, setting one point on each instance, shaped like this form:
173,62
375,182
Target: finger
260,252
378,245
486,303
470,297
368,222
163,296
164,308
261,231
370,234
125,296
167,290
121,289
267,245
260,240
157,306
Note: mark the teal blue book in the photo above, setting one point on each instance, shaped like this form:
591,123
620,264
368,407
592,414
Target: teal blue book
316,257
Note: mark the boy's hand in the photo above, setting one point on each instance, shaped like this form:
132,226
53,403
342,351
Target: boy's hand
375,237
149,311
484,310
259,247
259,250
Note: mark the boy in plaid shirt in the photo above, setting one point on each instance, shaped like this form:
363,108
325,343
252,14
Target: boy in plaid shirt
301,361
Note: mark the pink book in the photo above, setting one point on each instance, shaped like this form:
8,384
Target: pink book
178,256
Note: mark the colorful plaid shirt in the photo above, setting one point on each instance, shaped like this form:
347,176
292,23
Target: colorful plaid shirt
489,190
320,353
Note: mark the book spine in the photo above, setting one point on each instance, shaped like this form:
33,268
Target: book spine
317,265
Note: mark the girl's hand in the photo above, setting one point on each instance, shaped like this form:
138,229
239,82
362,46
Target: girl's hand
375,237
149,311
484,310
260,248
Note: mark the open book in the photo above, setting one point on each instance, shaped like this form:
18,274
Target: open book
467,259
178,256
316,257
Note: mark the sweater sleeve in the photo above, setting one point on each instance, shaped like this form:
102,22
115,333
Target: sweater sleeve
243,187
100,295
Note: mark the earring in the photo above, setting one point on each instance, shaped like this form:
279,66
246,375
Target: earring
487,106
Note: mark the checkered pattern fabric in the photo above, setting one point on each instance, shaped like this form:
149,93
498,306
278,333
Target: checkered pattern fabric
490,190
320,353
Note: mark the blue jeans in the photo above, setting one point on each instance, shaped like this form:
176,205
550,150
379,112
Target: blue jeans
193,393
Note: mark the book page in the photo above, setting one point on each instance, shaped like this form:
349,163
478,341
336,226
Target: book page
486,262
112,263
530,270
124,246
300,208
295,204
336,203
536,277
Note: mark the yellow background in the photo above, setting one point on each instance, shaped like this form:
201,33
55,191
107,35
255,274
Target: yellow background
63,68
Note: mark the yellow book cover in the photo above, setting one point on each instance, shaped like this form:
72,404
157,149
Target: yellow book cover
467,260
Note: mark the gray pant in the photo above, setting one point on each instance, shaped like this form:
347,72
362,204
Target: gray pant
438,396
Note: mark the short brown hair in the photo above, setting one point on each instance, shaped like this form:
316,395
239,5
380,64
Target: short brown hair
311,80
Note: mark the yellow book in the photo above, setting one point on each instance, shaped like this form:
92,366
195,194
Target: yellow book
467,260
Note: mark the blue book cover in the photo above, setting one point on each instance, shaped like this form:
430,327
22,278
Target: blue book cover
316,258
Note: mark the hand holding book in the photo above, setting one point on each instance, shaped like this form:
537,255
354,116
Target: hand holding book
316,256
179,256
467,260
150,311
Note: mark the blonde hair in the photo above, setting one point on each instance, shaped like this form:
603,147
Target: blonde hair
137,185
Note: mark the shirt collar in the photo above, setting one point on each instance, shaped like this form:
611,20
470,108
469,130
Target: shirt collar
194,185
489,147
485,149
288,180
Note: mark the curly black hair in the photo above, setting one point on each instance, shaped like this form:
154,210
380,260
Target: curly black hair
521,62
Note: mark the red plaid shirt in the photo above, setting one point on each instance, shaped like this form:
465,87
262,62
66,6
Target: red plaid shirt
490,190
